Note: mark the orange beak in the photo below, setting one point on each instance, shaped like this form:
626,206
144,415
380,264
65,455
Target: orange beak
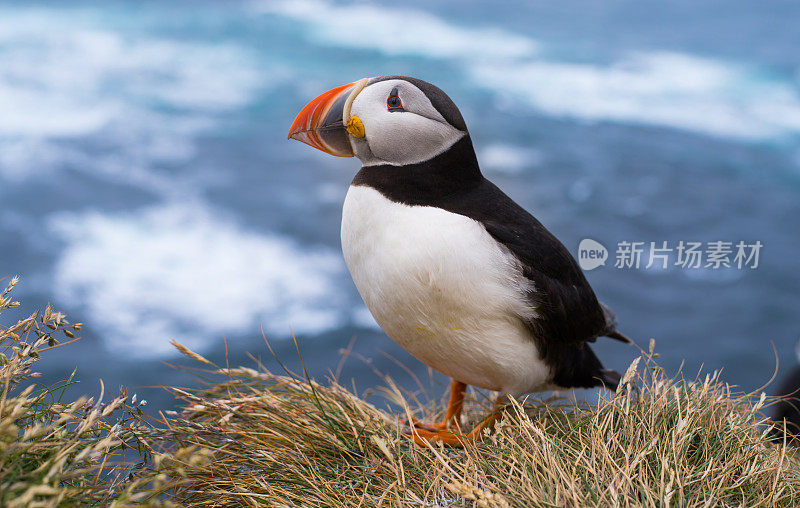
322,123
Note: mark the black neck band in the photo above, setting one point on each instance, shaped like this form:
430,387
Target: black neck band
454,170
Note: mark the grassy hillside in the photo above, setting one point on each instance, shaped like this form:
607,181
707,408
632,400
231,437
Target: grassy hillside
251,438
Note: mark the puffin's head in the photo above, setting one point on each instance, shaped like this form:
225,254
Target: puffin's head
394,120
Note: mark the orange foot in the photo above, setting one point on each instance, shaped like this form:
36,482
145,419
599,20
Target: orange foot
419,425
452,413
425,435
425,438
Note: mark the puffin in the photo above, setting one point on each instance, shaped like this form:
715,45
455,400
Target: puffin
451,268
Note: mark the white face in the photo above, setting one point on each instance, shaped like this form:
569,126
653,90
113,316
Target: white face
413,133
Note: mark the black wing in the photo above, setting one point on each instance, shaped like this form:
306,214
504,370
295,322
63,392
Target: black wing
567,306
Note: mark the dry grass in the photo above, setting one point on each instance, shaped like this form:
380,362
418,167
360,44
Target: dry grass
252,438
257,438
52,452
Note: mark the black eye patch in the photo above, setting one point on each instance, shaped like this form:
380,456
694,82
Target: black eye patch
393,103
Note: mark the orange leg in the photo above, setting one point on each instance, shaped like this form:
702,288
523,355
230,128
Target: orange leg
452,413
424,437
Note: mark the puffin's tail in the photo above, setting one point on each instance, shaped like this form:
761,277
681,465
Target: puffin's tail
611,326
610,379
618,336
580,368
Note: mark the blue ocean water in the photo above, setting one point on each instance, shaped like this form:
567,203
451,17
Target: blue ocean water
149,191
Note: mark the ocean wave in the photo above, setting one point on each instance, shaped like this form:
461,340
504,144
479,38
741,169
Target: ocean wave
666,89
508,159
661,88
66,76
181,271
365,26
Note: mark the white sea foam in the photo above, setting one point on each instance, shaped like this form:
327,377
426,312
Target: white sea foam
64,76
181,271
365,26
509,159
669,89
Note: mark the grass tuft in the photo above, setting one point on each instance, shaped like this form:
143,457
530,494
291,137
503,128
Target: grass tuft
54,452
253,438
259,438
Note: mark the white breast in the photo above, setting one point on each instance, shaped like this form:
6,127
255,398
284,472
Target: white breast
444,289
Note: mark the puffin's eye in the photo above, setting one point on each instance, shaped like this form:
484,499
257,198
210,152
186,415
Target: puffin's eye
393,103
